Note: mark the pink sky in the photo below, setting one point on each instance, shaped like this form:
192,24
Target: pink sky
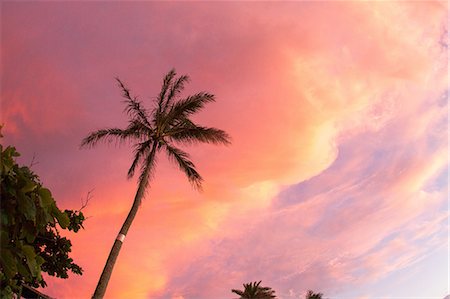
336,179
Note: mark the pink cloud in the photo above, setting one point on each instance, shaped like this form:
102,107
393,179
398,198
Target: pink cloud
336,125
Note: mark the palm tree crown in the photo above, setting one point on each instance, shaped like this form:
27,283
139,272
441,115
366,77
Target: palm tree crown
312,295
167,124
253,290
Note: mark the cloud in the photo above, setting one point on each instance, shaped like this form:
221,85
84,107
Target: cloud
330,229
337,124
353,233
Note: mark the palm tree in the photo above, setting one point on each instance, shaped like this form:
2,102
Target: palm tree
312,295
254,291
166,126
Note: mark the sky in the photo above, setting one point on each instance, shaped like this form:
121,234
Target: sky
337,176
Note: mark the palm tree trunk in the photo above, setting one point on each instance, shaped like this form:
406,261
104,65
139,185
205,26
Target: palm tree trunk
114,253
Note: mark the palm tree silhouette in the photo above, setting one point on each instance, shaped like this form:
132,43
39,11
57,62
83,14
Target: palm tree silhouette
167,125
252,290
312,295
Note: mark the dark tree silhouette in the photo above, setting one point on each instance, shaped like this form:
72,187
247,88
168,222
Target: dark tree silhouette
167,125
31,223
253,290
312,295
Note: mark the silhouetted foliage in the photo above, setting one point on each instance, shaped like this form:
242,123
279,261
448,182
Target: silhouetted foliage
30,239
312,295
253,290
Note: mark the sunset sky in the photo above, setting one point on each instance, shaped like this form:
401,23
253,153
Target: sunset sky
337,176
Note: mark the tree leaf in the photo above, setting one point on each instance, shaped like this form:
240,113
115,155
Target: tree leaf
8,263
46,197
29,232
62,218
30,256
29,186
39,260
26,206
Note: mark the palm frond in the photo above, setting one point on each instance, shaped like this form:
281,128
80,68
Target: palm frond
108,135
165,88
238,292
140,129
188,106
134,107
197,134
140,151
148,167
185,165
175,89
